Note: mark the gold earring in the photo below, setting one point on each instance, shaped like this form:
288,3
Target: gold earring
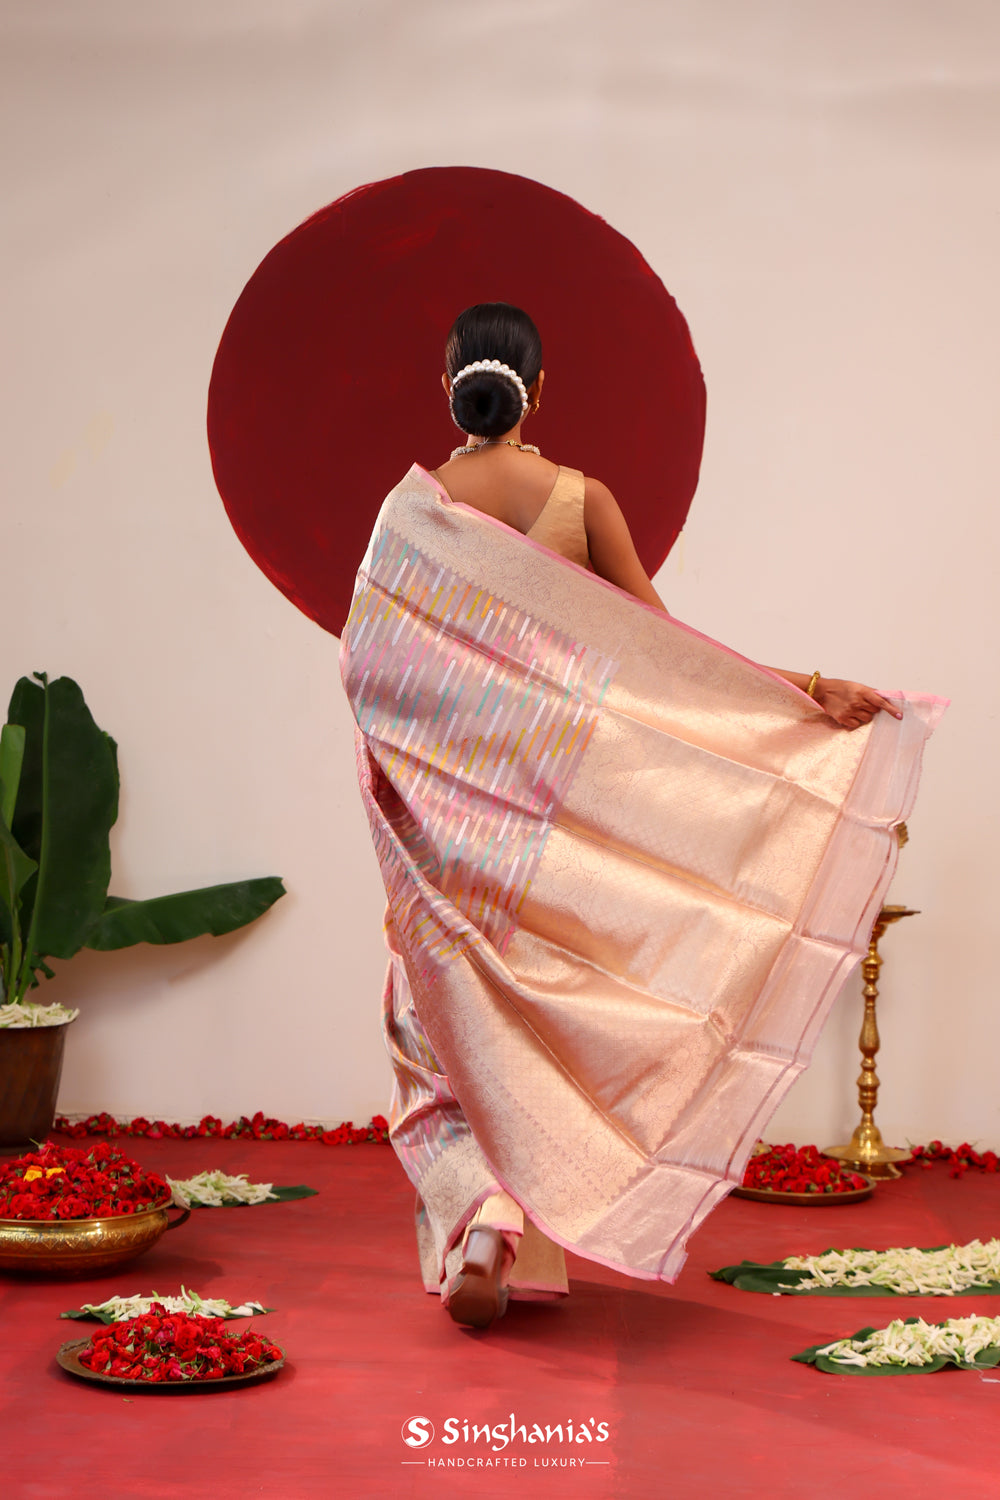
534,406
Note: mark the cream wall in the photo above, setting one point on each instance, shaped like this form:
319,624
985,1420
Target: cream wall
815,184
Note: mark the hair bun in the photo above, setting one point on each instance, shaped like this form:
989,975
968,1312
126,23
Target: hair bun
493,357
486,404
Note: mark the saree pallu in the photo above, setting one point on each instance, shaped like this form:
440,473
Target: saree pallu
627,874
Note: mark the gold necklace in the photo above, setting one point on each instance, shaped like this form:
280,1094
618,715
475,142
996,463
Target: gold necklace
495,443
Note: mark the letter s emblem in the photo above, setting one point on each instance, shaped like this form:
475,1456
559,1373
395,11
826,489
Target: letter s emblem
417,1432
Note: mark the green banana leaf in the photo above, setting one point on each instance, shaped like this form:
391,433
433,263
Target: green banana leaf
67,803
15,870
58,803
187,914
27,711
11,760
13,874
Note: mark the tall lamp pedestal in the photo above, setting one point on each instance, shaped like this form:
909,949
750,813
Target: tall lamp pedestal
866,1151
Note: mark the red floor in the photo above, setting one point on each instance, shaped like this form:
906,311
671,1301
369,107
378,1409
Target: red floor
694,1381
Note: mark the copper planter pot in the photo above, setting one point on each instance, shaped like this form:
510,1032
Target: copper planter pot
80,1247
31,1060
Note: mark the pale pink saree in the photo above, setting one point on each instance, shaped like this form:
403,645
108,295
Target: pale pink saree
627,874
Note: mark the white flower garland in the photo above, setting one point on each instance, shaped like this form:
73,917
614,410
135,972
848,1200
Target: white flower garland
917,1343
214,1189
909,1272
18,1016
121,1308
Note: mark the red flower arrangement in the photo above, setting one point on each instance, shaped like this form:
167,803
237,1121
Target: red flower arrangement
259,1128
957,1158
787,1169
63,1182
161,1346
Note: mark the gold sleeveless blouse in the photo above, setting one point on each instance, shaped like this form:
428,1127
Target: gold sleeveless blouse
560,524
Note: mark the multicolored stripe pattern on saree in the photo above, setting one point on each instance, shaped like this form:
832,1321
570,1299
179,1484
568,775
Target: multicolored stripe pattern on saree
478,716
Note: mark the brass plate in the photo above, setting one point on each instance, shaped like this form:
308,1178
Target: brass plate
68,1359
806,1200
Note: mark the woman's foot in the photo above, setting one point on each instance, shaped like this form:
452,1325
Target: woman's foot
478,1295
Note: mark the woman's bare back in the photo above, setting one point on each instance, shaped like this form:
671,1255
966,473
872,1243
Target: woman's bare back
504,483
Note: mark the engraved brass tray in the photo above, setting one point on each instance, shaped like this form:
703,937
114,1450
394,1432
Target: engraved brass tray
79,1247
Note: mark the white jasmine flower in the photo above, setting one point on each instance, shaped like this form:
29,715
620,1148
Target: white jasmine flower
918,1343
909,1272
121,1308
214,1189
17,1017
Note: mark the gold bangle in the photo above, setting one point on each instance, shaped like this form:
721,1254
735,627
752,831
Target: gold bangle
813,684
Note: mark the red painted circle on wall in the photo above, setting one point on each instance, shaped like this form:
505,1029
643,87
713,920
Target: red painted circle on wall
326,385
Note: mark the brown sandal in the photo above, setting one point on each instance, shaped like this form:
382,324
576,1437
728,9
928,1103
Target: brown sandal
477,1296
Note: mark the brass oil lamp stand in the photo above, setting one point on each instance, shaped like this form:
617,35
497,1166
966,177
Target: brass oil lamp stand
866,1151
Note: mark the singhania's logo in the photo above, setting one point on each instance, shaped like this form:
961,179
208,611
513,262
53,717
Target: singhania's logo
417,1432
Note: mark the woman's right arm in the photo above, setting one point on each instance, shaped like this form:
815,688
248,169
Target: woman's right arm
613,555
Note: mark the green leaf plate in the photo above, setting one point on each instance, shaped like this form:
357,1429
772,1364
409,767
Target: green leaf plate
774,1279
281,1195
987,1360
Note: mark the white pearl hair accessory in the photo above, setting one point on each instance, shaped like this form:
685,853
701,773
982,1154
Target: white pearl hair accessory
493,367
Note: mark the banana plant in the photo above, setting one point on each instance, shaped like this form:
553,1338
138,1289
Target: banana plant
58,804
